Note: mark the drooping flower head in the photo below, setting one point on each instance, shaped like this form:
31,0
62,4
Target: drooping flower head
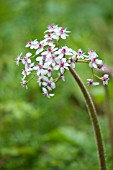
48,62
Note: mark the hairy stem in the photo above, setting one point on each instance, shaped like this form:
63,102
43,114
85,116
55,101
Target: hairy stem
94,119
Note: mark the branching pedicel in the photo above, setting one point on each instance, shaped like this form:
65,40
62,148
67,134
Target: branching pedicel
49,62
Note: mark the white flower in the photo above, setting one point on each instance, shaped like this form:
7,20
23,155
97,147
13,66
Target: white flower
63,65
72,61
48,42
61,76
56,32
62,32
51,60
52,28
92,54
29,66
49,51
18,59
96,63
40,79
49,83
29,44
92,83
93,64
40,70
64,51
49,70
93,59
51,36
80,54
26,73
26,58
24,83
100,64
40,60
32,44
40,47
105,79
52,32
46,92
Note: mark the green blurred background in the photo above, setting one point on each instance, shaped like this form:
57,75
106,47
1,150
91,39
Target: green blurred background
37,133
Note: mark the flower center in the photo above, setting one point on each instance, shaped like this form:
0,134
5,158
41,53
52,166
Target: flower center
61,64
63,51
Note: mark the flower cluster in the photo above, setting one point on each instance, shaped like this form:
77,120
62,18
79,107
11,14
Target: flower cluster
48,62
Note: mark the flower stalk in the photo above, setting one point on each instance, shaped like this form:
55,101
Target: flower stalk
94,119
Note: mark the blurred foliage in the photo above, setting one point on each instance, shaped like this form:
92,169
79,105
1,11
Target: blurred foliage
52,134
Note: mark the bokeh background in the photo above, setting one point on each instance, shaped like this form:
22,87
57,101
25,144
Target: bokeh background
37,133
